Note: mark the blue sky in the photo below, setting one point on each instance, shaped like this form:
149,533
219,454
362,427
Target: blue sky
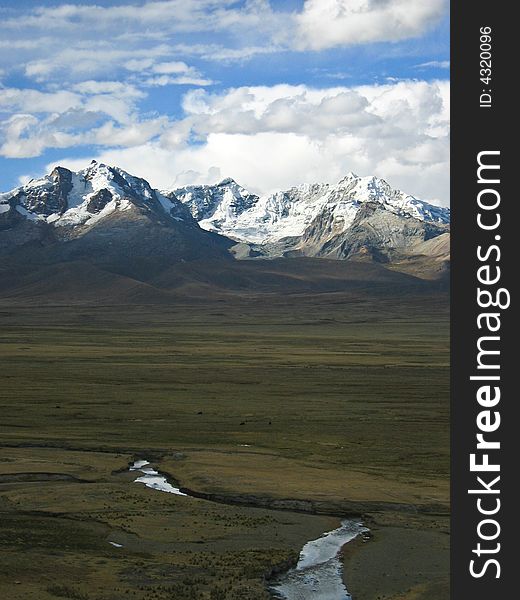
187,91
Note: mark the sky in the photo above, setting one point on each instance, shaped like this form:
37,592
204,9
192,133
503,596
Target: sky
271,93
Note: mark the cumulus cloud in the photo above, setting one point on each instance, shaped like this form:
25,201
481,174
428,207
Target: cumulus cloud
329,23
24,135
271,138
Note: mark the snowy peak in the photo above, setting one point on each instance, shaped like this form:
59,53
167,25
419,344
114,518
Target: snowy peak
228,181
215,206
66,198
374,189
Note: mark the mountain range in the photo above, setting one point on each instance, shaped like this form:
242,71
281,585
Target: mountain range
358,218
105,217
229,209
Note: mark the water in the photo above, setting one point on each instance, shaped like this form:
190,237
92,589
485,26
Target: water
153,479
318,573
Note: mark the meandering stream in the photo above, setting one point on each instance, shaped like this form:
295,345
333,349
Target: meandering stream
153,479
318,573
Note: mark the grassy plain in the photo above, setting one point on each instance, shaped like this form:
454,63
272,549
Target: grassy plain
335,401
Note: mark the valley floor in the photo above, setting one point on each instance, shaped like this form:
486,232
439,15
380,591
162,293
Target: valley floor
321,405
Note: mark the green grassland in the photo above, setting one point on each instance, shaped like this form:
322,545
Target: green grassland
315,405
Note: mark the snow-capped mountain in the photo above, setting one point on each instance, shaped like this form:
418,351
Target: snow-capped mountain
229,209
101,213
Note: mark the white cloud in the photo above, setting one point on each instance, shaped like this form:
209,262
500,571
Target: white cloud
436,64
138,64
167,68
133,134
122,90
34,101
329,23
152,74
163,80
88,57
271,138
215,52
92,112
23,137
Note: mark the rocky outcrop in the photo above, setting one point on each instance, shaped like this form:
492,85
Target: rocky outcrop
99,200
47,200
